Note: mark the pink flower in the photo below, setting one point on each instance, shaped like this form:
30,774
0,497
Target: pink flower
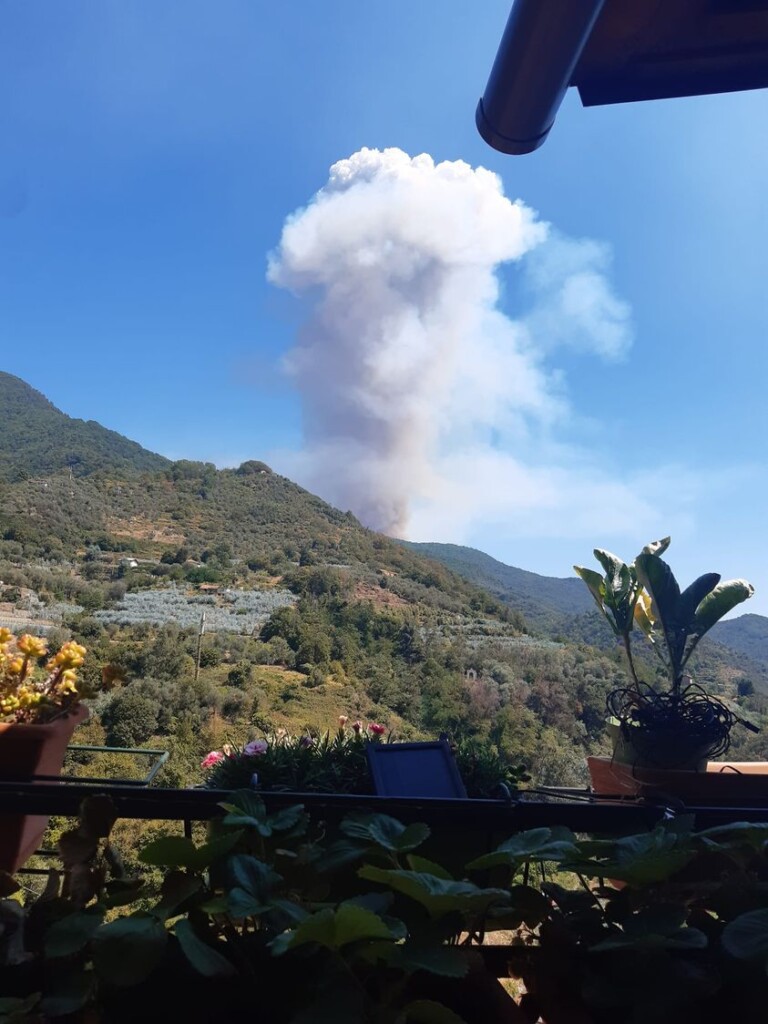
343,719
376,729
211,759
357,726
256,748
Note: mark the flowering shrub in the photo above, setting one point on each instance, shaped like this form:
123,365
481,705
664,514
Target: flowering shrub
310,763
337,763
33,689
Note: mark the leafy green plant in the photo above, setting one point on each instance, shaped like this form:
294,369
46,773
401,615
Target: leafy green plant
310,922
683,722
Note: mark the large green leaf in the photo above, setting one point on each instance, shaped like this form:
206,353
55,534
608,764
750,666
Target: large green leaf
251,896
536,844
692,596
595,583
253,875
247,810
659,580
334,929
206,961
657,547
640,860
746,937
180,852
127,950
719,602
385,832
753,834
72,933
657,927
429,867
615,572
437,895
68,995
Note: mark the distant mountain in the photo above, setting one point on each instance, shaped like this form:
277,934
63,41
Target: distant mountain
563,608
178,515
547,602
747,634
36,439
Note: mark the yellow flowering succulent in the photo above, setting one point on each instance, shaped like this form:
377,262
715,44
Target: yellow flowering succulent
33,690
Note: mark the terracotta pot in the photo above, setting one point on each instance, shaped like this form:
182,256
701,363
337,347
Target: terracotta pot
26,751
723,781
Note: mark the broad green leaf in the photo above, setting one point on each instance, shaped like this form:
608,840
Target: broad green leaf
127,950
334,929
428,867
614,567
245,809
68,995
644,614
737,833
692,596
73,933
388,833
746,937
536,844
253,875
180,852
658,579
169,852
245,801
529,905
339,855
719,602
595,583
241,904
437,895
657,547
206,961
287,818
427,1011
640,860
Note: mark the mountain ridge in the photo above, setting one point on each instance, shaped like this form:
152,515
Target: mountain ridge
38,439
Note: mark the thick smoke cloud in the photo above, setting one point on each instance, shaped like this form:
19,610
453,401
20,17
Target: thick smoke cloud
409,371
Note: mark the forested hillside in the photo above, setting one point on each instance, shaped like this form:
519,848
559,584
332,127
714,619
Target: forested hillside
307,614
36,439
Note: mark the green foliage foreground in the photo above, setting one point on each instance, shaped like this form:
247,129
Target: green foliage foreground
294,920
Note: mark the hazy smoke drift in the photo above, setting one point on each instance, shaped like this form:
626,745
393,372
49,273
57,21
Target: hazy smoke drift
405,352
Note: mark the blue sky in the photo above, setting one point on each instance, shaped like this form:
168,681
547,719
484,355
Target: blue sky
153,150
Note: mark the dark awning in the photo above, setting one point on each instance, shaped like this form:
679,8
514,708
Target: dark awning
616,51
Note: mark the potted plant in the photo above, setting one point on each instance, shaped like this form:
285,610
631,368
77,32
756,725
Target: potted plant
680,726
40,707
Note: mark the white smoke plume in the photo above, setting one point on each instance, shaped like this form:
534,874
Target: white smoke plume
408,369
